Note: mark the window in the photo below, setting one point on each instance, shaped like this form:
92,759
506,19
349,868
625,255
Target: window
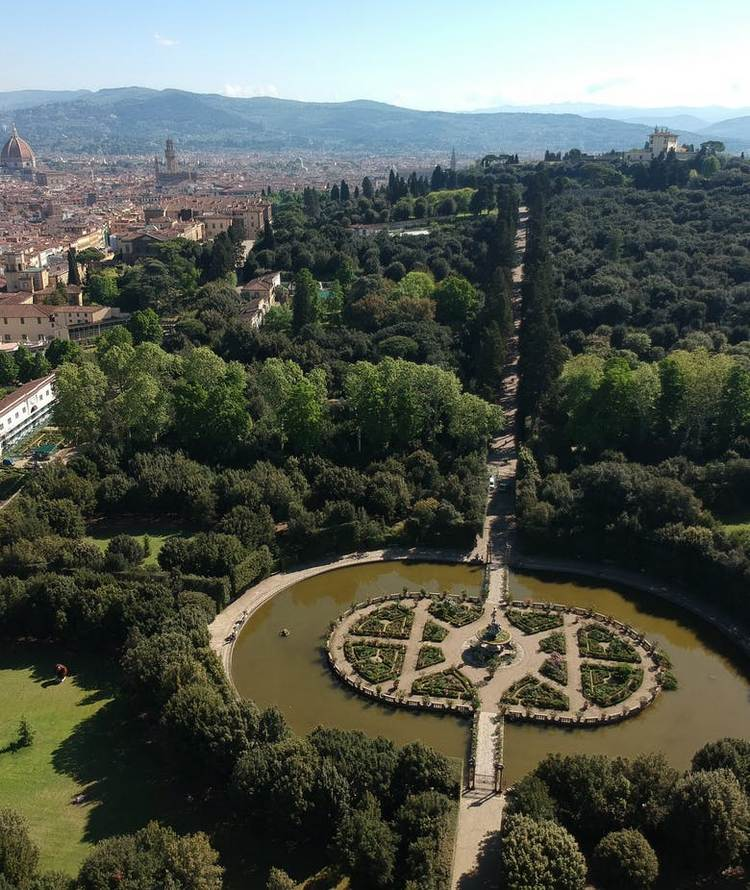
7,338
23,321
39,320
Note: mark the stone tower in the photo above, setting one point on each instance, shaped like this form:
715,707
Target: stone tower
170,157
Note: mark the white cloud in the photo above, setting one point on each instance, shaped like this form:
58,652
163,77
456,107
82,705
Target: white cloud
165,41
244,91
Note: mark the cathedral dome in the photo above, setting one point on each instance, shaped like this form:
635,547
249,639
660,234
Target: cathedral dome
17,153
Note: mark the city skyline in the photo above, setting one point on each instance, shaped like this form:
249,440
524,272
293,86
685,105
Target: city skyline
437,57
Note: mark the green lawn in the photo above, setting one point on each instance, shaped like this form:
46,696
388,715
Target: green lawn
84,742
102,531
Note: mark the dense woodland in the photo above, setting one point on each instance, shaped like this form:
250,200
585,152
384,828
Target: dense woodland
636,379
358,416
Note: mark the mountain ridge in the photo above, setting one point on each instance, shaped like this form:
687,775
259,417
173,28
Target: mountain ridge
137,119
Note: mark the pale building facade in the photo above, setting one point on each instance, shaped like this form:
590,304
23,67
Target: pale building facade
26,408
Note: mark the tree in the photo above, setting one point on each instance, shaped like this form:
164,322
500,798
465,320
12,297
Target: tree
731,754
367,189
457,301
591,791
298,402
145,326
152,858
9,368
625,860
540,855
18,853
60,351
419,768
211,414
366,847
531,797
278,879
305,300
709,819
81,389
74,275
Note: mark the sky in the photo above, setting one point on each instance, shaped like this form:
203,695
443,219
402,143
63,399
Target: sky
428,54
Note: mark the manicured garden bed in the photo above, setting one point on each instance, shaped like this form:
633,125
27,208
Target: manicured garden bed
597,641
553,643
434,633
607,685
393,621
531,692
456,612
555,669
533,621
373,661
429,655
446,684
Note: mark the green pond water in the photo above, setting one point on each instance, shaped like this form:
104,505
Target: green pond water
713,699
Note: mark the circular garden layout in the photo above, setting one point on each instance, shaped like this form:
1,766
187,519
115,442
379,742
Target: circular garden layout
531,661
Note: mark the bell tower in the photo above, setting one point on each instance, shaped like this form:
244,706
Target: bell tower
170,157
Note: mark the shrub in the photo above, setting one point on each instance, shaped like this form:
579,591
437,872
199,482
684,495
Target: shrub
429,655
457,613
607,685
445,684
129,548
531,692
555,669
393,620
373,661
597,641
532,621
553,643
434,633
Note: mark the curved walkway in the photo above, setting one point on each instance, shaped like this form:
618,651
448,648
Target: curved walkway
713,615
224,628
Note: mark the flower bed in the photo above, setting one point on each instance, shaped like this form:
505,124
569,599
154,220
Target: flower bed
606,685
457,613
445,684
597,641
393,621
429,655
375,661
553,643
531,692
434,633
531,621
555,669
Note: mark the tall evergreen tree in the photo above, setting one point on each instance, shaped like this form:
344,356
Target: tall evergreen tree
305,301
344,191
367,188
74,276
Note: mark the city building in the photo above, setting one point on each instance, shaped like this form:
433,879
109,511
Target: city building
16,155
170,173
661,142
25,409
260,294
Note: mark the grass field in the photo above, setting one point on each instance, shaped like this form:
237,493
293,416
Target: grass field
102,532
84,742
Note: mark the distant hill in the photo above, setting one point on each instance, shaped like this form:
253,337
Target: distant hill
737,129
30,98
137,120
